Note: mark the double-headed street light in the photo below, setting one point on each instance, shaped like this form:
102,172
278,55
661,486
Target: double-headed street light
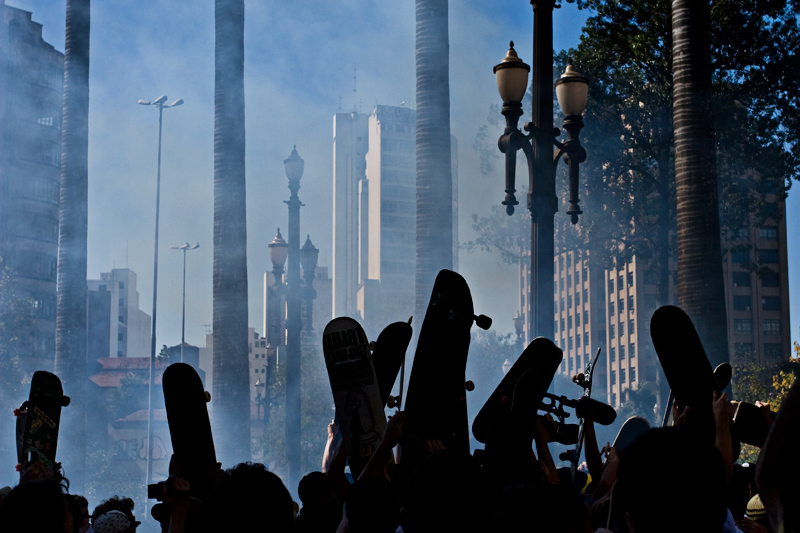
185,248
572,92
161,105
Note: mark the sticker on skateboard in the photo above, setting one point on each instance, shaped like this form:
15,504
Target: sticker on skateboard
42,417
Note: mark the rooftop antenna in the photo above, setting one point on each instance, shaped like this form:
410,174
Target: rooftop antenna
355,95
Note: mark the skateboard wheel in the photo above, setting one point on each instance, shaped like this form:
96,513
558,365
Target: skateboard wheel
469,385
483,322
505,400
578,378
65,401
391,402
372,347
207,396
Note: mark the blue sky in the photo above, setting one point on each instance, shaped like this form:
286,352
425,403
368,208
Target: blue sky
299,62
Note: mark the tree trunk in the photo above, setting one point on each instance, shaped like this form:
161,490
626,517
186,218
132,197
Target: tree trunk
230,392
70,358
701,291
434,178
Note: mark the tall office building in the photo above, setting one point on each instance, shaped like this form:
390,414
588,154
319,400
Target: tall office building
116,325
350,143
31,85
375,214
611,309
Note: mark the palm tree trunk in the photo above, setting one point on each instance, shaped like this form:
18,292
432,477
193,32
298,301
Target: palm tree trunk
701,291
230,392
434,179
70,358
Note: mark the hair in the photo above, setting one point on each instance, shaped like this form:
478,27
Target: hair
687,491
446,492
42,500
115,503
544,507
370,506
249,494
315,489
76,503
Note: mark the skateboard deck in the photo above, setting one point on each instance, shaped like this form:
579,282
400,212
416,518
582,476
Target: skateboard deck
185,401
750,425
436,402
631,428
722,374
42,417
540,355
388,356
685,366
355,387
583,380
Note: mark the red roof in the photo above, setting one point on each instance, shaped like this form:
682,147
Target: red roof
159,415
115,369
114,379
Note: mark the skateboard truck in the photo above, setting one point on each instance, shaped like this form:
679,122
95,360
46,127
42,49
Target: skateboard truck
482,321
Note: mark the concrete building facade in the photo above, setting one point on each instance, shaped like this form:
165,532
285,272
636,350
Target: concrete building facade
31,90
117,327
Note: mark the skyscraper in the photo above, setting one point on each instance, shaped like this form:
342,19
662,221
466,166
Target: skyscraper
117,327
31,88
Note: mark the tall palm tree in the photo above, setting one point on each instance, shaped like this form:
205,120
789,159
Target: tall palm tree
70,359
434,178
230,392
701,291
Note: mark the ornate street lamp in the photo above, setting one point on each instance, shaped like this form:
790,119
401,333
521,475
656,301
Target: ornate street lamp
308,259
278,252
572,91
518,329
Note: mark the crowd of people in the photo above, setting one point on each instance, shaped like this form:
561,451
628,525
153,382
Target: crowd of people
669,479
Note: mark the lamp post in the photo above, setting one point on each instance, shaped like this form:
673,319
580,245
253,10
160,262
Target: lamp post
262,396
185,248
518,329
308,258
572,92
278,252
294,171
161,104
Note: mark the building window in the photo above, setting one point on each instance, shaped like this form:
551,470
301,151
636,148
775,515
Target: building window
562,325
768,256
631,329
772,350
622,376
742,326
586,317
621,329
769,233
122,302
555,288
743,349
578,341
613,354
555,325
577,298
120,337
611,285
633,375
630,279
578,320
570,364
612,331
740,257
621,305
569,280
622,352
771,303
611,309
585,273
632,352
741,279
121,284
613,377
621,281
585,295
569,260
741,303
569,322
630,303
562,304
121,319
561,284
569,301
586,339
770,279
256,371
772,326
569,343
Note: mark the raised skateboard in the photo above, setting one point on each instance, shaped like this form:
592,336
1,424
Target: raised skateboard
39,419
190,430
686,366
751,426
630,430
388,358
540,355
436,402
722,374
355,387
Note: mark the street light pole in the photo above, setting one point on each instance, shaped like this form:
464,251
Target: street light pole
294,171
278,251
184,247
161,105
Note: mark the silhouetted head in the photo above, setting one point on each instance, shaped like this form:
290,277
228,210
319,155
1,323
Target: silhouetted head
36,507
446,493
249,498
544,507
371,506
667,471
115,503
